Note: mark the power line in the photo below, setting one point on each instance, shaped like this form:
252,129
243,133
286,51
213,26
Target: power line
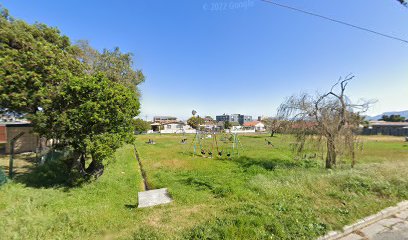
334,20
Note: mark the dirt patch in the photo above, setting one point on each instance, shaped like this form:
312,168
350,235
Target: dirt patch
23,163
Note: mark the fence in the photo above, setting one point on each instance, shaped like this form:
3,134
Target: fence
3,178
54,154
386,131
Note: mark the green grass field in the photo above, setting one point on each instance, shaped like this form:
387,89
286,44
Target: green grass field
264,193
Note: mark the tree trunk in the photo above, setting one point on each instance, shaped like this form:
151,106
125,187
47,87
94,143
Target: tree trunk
331,153
353,158
272,133
95,168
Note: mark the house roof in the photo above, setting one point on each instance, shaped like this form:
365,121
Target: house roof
251,124
174,123
164,117
391,124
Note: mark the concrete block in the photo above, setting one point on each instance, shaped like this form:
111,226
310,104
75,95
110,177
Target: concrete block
154,197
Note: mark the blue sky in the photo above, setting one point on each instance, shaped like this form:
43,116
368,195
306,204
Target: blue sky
242,58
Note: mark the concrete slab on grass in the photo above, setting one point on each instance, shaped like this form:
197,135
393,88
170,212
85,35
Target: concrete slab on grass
154,197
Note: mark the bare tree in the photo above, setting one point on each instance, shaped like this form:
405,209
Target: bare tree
273,124
328,118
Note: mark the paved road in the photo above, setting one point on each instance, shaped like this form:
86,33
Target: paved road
392,228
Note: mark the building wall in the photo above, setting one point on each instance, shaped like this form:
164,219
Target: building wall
3,135
26,143
260,127
177,128
222,118
244,119
234,118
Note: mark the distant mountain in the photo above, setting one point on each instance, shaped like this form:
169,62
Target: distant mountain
401,113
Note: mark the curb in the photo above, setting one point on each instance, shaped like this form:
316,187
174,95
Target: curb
333,235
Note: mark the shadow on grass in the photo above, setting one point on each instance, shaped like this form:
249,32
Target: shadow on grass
262,136
130,206
271,164
52,174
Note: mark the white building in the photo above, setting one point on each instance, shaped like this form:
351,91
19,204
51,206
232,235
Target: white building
177,128
255,125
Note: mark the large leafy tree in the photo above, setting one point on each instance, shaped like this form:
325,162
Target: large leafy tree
33,58
92,115
82,105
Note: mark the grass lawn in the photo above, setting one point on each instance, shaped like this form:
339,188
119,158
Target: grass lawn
103,208
262,194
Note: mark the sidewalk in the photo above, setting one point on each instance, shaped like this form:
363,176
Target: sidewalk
391,228
389,224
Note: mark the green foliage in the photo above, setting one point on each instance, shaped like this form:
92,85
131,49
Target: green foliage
33,58
141,125
84,99
89,114
227,125
195,122
393,118
53,173
116,66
